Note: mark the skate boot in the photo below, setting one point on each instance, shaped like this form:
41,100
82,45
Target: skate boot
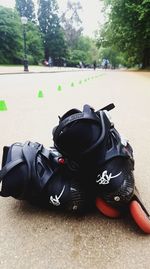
91,145
33,173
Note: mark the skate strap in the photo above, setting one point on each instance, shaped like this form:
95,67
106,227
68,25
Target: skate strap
85,115
7,168
108,107
105,125
31,154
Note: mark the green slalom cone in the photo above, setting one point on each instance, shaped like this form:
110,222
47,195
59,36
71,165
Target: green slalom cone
72,84
40,94
3,106
59,88
80,82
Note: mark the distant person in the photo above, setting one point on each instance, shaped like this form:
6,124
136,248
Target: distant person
45,63
80,64
94,65
105,63
50,62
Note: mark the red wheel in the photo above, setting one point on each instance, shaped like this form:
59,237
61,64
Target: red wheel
140,217
106,209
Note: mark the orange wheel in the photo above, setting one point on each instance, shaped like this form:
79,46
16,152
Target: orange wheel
106,209
140,217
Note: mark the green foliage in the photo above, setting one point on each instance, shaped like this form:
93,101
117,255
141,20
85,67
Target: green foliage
76,56
85,51
88,45
35,49
128,30
112,54
11,39
46,38
26,8
53,37
10,36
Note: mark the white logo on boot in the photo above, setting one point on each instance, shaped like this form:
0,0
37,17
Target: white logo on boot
55,200
105,178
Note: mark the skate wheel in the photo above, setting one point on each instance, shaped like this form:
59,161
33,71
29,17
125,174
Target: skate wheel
106,209
140,217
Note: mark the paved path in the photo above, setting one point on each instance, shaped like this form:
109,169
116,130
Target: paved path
35,238
34,69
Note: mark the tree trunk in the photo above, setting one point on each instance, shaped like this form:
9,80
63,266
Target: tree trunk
146,58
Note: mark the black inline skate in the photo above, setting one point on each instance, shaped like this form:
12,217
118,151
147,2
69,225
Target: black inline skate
92,146
36,174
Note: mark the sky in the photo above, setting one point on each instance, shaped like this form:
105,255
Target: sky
91,15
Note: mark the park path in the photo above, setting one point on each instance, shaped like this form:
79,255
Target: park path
19,69
35,238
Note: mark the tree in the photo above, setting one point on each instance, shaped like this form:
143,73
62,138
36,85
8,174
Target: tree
35,50
53,36
71,23
26,8
88,45
85,52
77,56
128,29
11,39
10,36
115,58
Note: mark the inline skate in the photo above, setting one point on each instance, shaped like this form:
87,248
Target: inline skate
36,174
91,145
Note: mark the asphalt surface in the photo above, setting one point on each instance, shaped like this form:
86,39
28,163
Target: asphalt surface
35,238
19,69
